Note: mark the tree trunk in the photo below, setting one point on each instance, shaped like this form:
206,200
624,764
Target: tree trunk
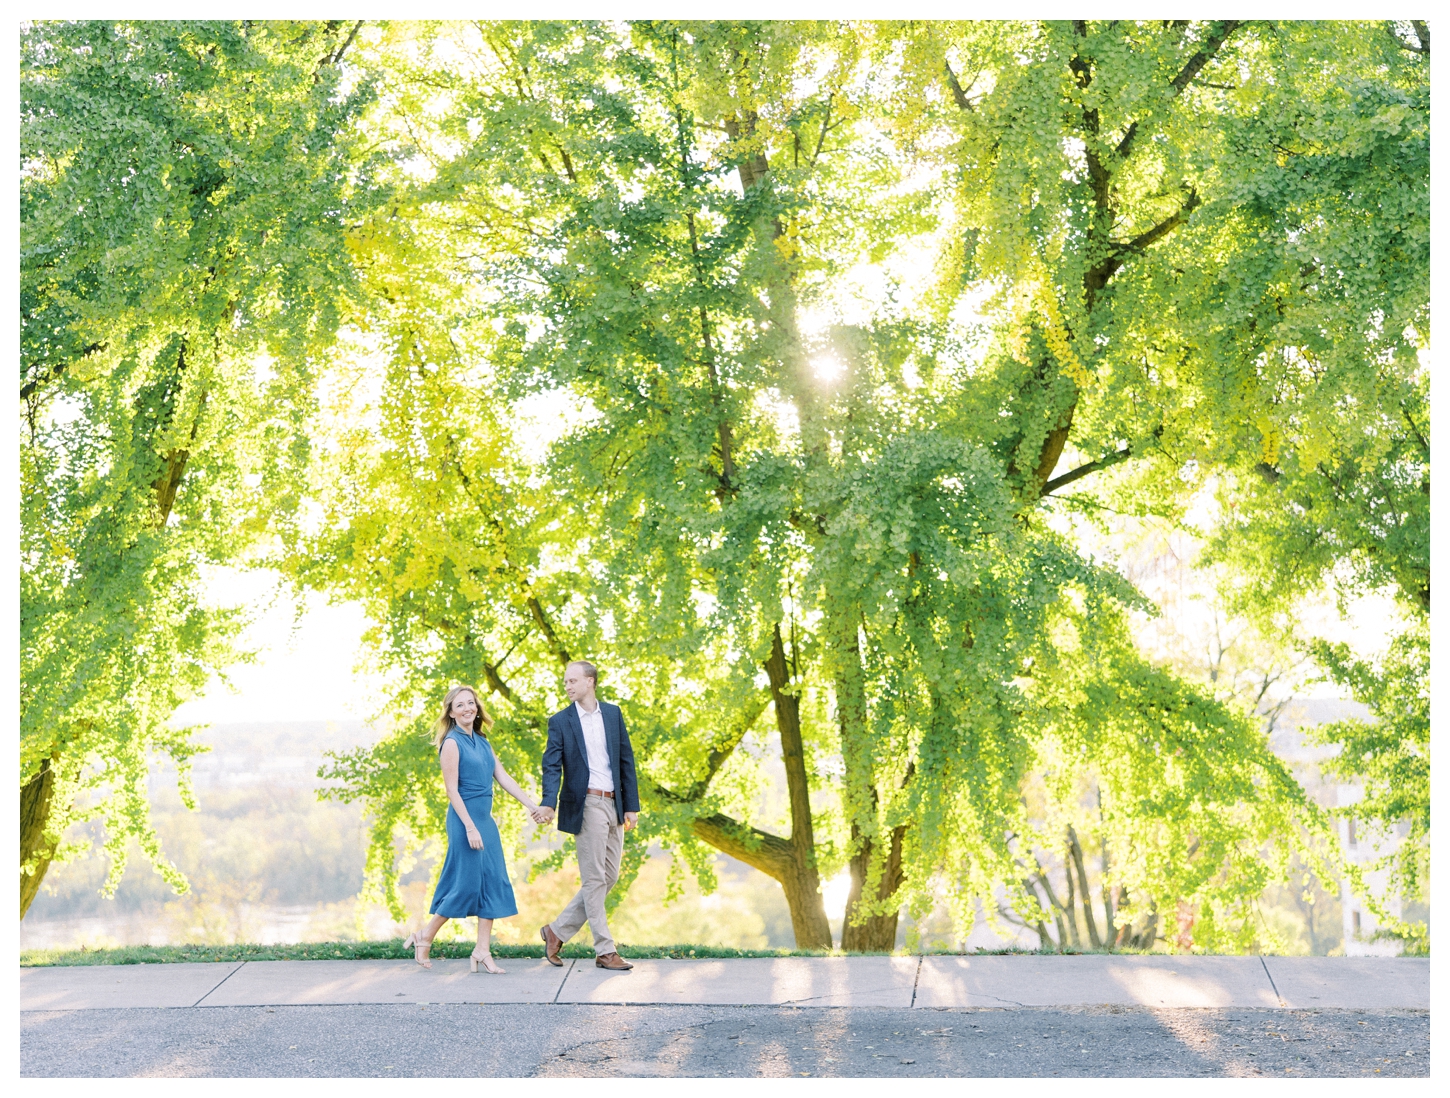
173,463
1070,908
1109,932
1087,897
792,861
876,933
1187,917
35,796
803,885
775,857
1127,936
1056,906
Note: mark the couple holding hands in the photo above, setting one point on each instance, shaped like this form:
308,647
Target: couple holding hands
588,771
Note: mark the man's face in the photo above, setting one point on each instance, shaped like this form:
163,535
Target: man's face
579,686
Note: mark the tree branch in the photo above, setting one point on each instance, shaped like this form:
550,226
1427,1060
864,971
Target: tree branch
1415,429
1422,35
342,49
564,159
719,754
958,93
753,168
1422,32
173,467
1105,462
29,388
496,683
726,485
1211,45
1097,278
536,609
1206,53
768,853
825,129
1163,228
55,372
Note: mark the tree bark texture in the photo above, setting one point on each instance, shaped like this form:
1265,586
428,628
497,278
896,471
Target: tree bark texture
1075,848
35,798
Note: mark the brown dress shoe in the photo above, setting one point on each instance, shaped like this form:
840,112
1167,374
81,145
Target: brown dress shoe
552,945
612,961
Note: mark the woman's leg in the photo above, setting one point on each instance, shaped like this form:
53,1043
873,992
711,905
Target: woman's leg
429,932
422,941
484,950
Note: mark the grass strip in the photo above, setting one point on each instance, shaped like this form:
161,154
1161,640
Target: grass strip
392,949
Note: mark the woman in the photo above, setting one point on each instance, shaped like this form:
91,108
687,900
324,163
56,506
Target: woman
474,879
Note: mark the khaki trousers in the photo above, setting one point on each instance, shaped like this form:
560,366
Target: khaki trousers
600,843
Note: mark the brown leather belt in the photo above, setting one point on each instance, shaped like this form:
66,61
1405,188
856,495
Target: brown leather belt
599,793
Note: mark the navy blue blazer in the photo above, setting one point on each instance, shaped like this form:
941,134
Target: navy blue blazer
565,757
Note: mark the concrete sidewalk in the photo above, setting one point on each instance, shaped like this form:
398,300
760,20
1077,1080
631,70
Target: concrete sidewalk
888,982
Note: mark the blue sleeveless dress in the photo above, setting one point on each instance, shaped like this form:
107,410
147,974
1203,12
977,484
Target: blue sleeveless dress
474,882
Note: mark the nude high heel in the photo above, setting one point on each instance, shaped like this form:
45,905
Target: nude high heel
418,946
474,960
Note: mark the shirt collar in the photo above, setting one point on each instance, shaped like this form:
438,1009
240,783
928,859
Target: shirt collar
597,712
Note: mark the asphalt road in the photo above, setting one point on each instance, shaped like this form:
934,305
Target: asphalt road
555,1040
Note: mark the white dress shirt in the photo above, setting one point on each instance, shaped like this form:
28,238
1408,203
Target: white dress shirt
600,776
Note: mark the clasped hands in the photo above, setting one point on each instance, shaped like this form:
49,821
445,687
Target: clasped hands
542,815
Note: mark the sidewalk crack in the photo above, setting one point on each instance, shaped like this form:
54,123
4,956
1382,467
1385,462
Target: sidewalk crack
917,981
562,982
223,980
1273,985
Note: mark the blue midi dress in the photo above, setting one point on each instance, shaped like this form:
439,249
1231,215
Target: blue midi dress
473,882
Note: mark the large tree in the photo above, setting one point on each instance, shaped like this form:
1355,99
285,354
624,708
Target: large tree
184,194
1218,242
767,499
785,475
1338,502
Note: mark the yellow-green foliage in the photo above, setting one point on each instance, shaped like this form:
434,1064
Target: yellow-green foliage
184,193
677,332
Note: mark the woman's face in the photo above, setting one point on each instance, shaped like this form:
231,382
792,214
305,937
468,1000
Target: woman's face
464,709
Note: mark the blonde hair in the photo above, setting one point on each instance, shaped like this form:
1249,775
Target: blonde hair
445,723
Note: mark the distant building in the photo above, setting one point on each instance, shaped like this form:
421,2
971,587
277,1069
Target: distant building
1360,923
1287,741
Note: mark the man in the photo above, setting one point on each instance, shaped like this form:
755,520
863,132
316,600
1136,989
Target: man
598,801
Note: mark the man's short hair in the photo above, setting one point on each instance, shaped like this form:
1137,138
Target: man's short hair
587,667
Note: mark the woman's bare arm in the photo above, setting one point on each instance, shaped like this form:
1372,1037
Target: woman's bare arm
448,760
513,789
